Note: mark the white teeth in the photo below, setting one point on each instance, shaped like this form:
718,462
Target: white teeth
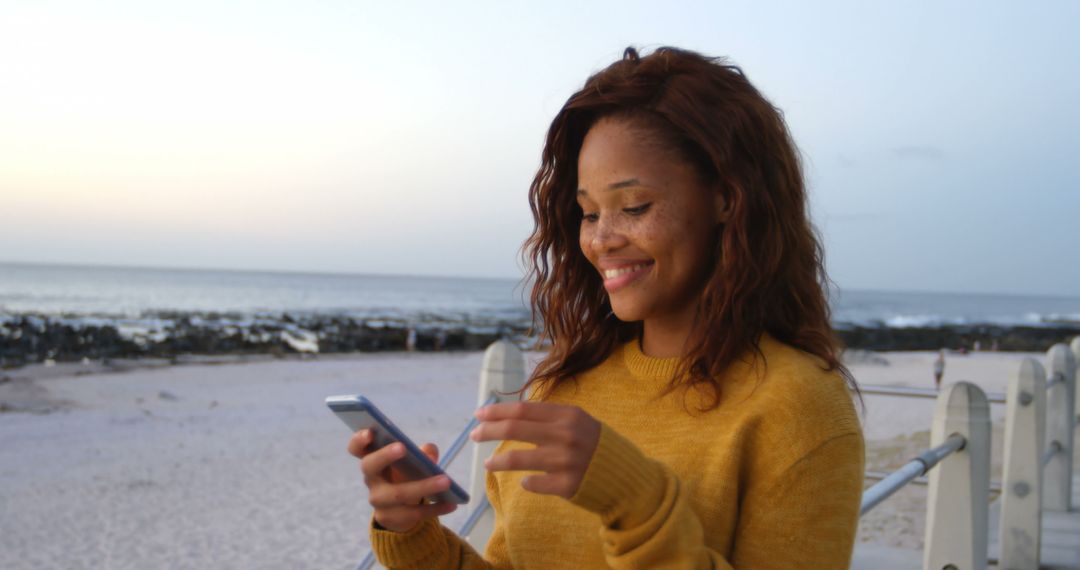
612,273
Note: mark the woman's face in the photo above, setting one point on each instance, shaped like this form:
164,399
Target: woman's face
648,222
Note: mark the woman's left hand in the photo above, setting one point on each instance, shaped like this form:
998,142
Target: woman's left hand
565,438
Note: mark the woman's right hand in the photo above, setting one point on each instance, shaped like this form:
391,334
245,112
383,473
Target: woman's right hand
399,503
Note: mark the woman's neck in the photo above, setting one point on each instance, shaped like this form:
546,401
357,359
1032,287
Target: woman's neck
665,337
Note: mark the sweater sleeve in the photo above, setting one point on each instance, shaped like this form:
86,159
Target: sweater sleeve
433,546
649,522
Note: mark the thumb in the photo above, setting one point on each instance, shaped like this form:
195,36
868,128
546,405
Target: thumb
431,450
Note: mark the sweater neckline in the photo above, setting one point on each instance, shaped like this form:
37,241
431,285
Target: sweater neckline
642,365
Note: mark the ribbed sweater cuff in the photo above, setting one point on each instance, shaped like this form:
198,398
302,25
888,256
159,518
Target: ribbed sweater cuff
621,484
395,549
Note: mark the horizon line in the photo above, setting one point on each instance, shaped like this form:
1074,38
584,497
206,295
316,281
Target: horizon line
192,269
833,289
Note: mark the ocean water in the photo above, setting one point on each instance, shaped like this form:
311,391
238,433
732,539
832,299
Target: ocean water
124,292
132,292
922,309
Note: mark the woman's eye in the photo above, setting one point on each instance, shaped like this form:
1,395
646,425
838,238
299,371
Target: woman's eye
638,210
591,218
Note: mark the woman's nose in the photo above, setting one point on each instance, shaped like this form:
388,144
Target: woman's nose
608,235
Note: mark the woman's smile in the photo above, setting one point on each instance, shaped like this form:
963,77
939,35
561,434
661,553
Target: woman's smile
622,274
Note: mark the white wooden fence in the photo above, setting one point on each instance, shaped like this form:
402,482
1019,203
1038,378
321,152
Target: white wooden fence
1040,417
1041,413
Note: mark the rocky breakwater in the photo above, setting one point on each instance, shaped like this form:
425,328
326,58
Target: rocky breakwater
958,337
30,338
35,338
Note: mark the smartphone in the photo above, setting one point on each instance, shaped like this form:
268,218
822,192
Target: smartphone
359,413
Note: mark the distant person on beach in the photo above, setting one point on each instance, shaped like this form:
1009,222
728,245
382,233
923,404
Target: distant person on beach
939,369
410,339
692,411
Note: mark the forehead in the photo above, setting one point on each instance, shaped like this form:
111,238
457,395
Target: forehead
611,144
614,152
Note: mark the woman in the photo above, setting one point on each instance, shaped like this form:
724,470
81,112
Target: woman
692,411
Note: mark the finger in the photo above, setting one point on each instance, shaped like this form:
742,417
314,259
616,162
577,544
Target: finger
407,493
436,509
539,459
536,411
549,484
536,432
404,518
373,464
432,451
358,442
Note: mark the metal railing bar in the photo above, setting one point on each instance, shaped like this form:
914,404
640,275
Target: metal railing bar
911,470
873,496
995,486
474,516
1055,448
879,475
928,393
463,437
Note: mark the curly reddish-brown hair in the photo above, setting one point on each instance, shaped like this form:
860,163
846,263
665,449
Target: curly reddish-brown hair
768,274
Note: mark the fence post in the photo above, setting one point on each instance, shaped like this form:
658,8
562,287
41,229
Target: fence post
1021,486
1075,346
503,372
1060,421
957,507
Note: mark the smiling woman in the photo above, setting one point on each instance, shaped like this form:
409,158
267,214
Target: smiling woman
692,412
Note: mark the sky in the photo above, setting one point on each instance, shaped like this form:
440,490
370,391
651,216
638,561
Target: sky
939,139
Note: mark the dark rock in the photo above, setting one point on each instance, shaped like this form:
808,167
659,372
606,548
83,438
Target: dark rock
1016,339
27,338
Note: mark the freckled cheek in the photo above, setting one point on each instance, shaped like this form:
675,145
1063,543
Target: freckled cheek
671,240
660,235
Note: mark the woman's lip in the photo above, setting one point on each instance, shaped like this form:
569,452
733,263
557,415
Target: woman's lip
615,283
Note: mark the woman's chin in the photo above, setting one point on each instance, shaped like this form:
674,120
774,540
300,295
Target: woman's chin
627,314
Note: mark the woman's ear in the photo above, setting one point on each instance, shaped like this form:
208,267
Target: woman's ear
721,206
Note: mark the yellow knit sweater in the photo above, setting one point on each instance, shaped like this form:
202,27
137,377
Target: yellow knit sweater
770,479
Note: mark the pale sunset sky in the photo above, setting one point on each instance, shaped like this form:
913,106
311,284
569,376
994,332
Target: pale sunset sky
939,139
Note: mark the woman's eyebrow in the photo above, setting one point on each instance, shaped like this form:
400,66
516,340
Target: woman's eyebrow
615,185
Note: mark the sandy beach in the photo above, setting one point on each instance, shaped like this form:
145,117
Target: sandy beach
236,463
